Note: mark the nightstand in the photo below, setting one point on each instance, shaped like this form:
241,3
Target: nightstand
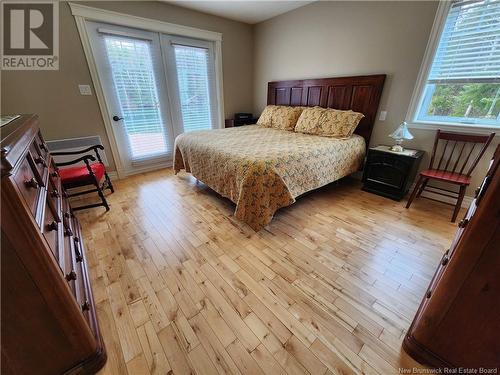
388,173
229,123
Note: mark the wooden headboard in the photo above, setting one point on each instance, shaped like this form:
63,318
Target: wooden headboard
360,94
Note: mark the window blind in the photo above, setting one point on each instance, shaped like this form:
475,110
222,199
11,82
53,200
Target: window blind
195,73
469,48
133,75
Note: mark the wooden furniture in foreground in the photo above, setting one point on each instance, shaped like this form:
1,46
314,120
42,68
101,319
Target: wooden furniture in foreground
458,156
388,173
93,174
49,323
458,322
359,93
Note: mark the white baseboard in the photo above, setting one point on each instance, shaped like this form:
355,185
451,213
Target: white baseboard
143,169
113,175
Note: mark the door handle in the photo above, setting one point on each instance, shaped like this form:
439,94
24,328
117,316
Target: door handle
116,118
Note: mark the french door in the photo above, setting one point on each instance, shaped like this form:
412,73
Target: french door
156,86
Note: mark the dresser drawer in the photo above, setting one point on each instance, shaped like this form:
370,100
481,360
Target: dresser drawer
73,271
67,216
42,146
83,293
28,181
73,267
77,240
68,261
52,229
40,160
54,191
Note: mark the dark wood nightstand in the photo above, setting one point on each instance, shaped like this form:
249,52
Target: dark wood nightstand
388,173
229,123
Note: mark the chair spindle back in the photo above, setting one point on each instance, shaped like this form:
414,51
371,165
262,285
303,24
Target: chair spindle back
457,150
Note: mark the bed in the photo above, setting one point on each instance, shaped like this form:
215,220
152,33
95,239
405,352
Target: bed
264,169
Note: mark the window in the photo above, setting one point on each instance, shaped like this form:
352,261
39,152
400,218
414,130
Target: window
193,77
135,85
462,85
147,93
155,86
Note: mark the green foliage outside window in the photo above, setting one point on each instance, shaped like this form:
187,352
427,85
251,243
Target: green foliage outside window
473,100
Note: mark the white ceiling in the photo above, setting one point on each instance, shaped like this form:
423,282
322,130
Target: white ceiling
240,10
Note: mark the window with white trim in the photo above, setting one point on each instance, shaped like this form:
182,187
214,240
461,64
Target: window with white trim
462,85
195,79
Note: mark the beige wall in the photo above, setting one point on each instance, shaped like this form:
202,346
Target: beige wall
319,40
327,39
64,113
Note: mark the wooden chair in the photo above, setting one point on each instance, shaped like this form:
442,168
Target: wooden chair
449,161
83,175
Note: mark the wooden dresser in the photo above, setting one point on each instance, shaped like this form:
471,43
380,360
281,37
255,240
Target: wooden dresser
458,322
49,323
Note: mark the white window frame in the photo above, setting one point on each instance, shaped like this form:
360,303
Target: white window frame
170,67
419,90
83,13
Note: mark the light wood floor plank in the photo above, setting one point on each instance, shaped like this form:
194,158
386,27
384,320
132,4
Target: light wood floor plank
175,355
214,348
329,287
242,359
153,351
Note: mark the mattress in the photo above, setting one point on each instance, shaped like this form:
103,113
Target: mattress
264,169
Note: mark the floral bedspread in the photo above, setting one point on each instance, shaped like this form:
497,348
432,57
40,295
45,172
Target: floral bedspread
263,169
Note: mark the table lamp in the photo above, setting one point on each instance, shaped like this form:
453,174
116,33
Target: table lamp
400,134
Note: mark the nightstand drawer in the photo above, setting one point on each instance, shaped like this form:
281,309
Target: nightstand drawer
389,174
386,174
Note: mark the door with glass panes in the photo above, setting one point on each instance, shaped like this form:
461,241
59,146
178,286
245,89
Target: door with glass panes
156,87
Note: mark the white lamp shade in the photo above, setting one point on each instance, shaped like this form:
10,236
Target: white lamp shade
401,132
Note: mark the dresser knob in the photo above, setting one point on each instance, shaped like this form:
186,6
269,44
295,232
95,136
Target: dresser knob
463,223
31,183
52,225
428,294
445,260
55,194
71,276
86,306
40,160
68,232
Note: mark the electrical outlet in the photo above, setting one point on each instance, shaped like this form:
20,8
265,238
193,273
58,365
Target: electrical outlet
382,116
85,89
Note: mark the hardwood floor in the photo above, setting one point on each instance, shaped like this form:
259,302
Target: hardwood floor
330,287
